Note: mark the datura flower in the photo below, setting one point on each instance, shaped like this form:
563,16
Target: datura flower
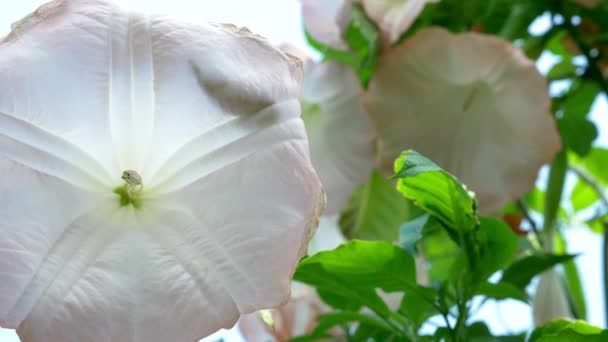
327,20
155,175
299,316
339,131
472,103
394,16
550,300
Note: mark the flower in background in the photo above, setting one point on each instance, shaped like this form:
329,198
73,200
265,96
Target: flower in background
298,317
327,20
394,17
472,103
155,175
339,131
550,300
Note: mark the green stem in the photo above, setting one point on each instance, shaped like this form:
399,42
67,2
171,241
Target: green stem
526,213
555,187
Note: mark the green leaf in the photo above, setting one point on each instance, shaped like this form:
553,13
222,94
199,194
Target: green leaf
498,246
411,231
535,200
563,69
568,331
416,307
440,252
435,191
583,196
375,211
577,133
501,291
595,162
363,37
521,272
329,53
353,272
339,318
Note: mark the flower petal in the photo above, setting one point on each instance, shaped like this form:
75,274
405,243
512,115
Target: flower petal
394,16
326,20
208,115
339,131
32,224
472,103
256,217
550,300
130,276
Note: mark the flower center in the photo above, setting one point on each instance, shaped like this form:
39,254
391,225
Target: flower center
130,192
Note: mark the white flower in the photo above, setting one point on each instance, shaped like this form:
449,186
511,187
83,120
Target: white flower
326,20
339,131
296,318
472,103
550,300
394,16
219,201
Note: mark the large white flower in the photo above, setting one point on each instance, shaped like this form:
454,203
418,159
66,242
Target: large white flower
339,131
219,199
472,103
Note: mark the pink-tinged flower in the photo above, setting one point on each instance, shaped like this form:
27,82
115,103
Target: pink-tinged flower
394,17
339,131
155,176
296,318
472,103
326,20
301,314
550,300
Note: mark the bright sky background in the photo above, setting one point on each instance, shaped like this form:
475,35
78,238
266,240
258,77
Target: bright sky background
279,21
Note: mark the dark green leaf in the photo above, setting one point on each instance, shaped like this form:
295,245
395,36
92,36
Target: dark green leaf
521,272
498,246
375,211
411,231
501,291
416,306
577,133
568,331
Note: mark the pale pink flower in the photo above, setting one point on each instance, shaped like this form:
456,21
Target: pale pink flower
473,103
394,17
221,200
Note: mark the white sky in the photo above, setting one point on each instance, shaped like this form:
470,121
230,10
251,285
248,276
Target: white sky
279,21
